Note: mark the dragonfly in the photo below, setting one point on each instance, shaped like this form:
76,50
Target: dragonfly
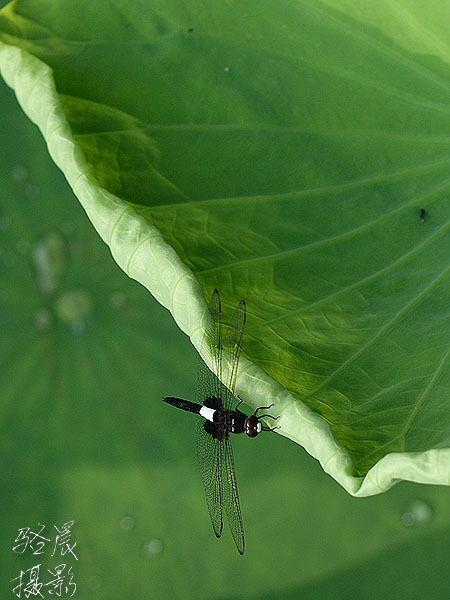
215,397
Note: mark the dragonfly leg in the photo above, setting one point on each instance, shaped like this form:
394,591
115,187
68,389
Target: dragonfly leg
262,416
265,428
239,403
262,408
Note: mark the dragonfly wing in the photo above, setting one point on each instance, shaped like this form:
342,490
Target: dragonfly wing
209,380
232,351
231,498
214,451
210,462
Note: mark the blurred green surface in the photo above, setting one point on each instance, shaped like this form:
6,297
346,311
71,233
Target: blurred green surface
84,436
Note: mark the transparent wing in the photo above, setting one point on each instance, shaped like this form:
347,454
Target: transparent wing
231,498
210,462
232,351
209,380
214,451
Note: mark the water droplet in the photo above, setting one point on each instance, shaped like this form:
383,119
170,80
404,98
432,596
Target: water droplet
94,582
43,320
153,547
118,299
78,327
416,513
73,308
127,523
227,69
19,174
49,256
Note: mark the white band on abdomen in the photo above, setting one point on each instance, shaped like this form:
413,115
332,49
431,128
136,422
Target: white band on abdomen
207,413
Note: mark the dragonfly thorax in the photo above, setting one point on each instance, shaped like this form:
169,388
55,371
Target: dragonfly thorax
229,421
237,422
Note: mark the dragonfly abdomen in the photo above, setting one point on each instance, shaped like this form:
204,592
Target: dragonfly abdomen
184,404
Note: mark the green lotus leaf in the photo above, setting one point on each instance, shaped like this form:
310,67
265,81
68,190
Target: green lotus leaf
292,154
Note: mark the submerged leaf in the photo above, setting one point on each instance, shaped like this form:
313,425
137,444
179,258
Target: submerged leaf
283,156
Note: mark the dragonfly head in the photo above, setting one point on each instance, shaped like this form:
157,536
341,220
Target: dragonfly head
252,426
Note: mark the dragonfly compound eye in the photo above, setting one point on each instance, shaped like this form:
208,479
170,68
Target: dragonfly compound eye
252,426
